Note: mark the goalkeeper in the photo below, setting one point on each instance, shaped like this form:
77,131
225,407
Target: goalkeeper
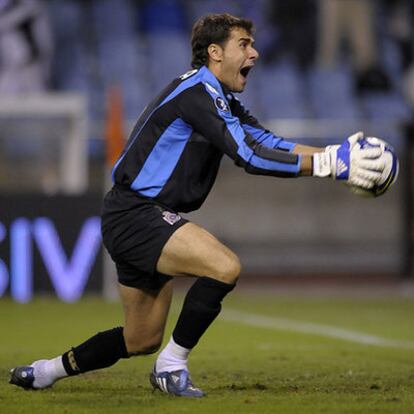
167,167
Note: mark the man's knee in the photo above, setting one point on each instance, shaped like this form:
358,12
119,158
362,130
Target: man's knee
228,270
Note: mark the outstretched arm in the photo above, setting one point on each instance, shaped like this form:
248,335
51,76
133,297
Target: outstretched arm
258,151
348,161
307,157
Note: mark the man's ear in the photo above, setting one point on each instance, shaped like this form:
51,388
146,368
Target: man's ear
215,52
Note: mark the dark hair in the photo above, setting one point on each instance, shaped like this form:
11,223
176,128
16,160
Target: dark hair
213,28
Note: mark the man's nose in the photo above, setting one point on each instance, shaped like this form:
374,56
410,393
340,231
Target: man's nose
254,54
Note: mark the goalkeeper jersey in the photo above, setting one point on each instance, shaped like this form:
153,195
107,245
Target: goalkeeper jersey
174,151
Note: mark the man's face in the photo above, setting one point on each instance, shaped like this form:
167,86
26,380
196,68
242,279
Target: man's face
237,58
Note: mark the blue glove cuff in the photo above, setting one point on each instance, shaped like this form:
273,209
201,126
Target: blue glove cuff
342,162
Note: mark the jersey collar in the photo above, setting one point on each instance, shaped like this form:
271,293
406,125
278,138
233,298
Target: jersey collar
209,77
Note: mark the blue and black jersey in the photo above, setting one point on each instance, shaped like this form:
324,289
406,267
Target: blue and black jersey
174,151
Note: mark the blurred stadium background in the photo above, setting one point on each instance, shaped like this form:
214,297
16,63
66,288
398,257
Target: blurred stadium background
74,76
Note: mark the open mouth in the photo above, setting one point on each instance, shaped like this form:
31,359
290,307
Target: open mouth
245,71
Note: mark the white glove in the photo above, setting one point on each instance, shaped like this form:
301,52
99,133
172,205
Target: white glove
358,166
389,167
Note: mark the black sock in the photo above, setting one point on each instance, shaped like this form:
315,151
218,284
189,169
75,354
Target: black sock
201,306
99,351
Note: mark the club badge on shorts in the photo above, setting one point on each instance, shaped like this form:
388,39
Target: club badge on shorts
170,218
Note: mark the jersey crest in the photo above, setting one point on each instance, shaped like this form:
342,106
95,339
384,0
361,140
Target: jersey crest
221,104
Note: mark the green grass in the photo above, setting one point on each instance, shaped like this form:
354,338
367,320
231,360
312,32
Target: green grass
243,369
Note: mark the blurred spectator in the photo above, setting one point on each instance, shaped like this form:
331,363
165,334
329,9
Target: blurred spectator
25,46
351,21
401,28
294,22
401,15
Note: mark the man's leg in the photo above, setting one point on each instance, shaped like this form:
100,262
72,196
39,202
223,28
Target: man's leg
145,317
192,250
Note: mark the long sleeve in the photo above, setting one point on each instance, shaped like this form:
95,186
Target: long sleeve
236,133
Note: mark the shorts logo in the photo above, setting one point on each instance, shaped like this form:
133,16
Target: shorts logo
170,218
221,104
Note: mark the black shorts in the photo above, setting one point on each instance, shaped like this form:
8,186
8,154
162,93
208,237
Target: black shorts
135,230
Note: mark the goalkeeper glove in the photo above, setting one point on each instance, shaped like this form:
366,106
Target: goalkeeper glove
357,165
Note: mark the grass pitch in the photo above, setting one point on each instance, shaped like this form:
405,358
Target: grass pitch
244,368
